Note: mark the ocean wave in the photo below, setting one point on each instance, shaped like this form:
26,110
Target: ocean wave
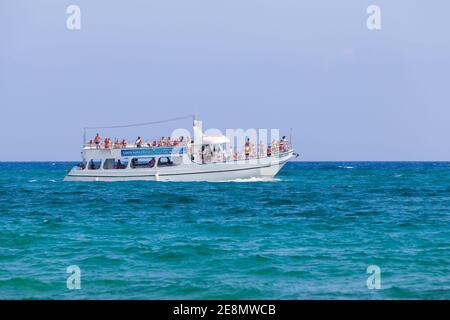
25,282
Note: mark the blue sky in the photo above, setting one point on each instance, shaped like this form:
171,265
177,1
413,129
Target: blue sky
347,92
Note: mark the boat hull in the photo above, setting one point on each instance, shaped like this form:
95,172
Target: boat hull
266,167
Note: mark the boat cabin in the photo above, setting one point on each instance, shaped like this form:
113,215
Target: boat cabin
133,158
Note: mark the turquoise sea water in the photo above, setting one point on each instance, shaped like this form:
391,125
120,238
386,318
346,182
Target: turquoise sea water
310,233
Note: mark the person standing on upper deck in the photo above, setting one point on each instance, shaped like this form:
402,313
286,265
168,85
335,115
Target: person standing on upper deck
261,149
247,148
97,140
138,142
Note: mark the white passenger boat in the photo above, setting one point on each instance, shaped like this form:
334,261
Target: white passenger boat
202,159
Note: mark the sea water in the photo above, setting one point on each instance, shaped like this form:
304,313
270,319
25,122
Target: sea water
310,233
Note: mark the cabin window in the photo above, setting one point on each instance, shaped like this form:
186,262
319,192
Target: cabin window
94,164
169,161
139,163
82,165
115,163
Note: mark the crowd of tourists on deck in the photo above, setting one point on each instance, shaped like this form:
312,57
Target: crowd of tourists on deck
107,143
207,154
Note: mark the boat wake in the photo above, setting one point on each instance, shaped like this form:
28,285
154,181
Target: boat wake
253,179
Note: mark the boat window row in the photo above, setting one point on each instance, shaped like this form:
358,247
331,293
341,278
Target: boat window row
135,163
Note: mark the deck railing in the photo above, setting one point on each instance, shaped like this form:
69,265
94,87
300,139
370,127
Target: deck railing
127,146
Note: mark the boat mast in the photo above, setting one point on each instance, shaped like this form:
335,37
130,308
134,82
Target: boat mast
198,138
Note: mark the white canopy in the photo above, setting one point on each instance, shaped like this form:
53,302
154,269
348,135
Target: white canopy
217,139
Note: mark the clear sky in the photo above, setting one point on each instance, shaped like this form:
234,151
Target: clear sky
347,92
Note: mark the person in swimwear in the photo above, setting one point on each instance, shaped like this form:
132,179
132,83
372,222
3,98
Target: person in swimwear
138,142
261,149
97,140
107,143
247,148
